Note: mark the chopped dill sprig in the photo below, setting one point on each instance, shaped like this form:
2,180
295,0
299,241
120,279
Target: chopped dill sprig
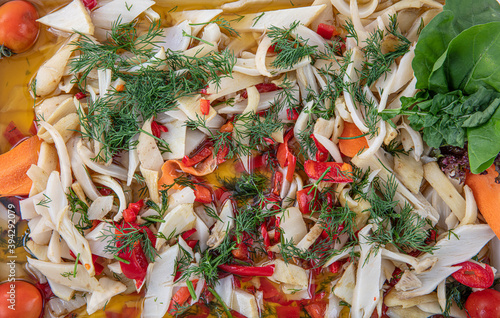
79,210
114,119
123,238
246,186
290,49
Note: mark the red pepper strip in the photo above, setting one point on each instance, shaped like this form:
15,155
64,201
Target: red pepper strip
80,95
307,200
188,233
317,309
474,275
327,31
267,240
277,182
157,129
322,153
191,243
13,134
204,106
202,194
180,297
262,88
285,156
222,154
292,114
248,270
335,267
199,157
337,173
90,4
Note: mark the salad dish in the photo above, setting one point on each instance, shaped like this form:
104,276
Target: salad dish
250,158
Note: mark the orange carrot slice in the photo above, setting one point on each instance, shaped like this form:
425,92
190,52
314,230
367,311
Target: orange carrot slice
487,195
14,165
350,147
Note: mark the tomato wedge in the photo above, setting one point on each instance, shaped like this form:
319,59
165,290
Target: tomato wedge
474,275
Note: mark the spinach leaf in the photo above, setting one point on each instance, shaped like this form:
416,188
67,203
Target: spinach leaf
472,61
433,41
484,143
443,118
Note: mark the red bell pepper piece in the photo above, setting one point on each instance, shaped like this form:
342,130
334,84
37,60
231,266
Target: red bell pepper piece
335,267
204,106
130,213
227,127
322,153
288,312
272,293
241,251
285,156
222,154
474,275
191,243
277,182
198,157
13,134
157,129
248,270
137,261
266,239
316,309
306,198
338,171
327,31
292,114
90,4
262,88
80,95
180,297
202,194
188,233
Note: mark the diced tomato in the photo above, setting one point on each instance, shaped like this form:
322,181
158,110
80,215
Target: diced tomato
13,134
202,194
204,106
327,31
288,312
474,275
339,172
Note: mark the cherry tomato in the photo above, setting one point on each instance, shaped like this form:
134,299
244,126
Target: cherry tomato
18,26
483,304
474,275
23,296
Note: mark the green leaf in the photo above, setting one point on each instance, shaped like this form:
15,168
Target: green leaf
484,143
457,15
472,61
